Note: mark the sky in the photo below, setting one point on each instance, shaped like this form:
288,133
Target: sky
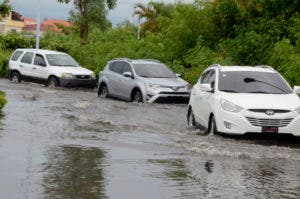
51,9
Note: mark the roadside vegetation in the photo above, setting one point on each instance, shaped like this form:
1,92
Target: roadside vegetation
2,100
187,37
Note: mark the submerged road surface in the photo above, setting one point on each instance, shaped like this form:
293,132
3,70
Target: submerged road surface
68,143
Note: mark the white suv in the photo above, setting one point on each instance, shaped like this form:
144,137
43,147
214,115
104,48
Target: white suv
48,67
240,100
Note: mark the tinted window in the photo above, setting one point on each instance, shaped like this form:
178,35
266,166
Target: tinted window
27,58
39,60
154,70
252,82
61,60
126,68
16,55
116,66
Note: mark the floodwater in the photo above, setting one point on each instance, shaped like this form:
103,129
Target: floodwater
68,143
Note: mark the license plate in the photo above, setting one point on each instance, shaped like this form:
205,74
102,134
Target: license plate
268,129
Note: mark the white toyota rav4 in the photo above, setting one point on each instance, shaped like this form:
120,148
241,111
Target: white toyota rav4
240,100
48,67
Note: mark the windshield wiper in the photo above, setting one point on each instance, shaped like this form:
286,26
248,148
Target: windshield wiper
228,91
259,92
249,80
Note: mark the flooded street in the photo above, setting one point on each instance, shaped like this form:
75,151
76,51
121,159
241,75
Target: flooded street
68,143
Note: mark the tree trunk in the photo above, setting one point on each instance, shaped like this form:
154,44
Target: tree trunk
84,28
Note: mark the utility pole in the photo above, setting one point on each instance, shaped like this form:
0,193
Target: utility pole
37,42
139,29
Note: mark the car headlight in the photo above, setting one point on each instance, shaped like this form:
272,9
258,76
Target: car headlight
93,76
188,86
298,110
229,106
67,75
152,86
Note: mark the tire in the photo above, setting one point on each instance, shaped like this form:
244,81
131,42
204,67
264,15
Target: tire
191,119
213,126
103,91
137,97
15,77
53,82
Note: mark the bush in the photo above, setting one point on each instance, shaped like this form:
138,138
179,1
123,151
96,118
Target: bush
3,101
4,58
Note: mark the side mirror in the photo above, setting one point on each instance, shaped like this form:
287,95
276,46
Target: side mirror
205,87
178,75
297,89
128,74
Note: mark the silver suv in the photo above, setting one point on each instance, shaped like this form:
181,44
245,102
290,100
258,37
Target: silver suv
142,80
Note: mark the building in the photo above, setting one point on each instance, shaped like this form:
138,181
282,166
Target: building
12,23
16,23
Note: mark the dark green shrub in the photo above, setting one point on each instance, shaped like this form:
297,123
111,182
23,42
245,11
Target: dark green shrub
3,101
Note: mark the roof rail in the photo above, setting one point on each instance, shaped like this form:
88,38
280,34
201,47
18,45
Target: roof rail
265,66
122,58
216,65
154,60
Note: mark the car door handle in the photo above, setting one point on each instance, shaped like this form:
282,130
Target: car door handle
34,68
21,65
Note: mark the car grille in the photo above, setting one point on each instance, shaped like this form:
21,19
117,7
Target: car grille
83,77
274,110
174,93
269,122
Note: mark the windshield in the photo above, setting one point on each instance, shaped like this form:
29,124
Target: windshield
252,82
153,71
61,60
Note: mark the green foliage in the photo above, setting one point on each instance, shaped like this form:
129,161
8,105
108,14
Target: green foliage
3,101
4,8
189,37
4,57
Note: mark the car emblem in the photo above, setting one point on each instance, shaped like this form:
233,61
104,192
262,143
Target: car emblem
175,88
269,112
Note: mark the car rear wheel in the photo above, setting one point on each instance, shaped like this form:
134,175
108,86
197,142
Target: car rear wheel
103,91
15,77
53,82
137,97
191,119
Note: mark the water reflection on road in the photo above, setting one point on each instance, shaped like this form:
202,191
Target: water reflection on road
67,143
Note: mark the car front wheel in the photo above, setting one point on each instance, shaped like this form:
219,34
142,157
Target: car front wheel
103,91
213,126
191,119
137,97
53,82
15,77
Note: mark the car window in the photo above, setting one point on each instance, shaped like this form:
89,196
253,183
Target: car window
27,58
116,67
39,60
153,70
16,55
126,67
205,77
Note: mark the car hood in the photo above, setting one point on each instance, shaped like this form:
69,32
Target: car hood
264,101
73,70
169,82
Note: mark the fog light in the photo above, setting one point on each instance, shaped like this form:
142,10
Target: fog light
227,125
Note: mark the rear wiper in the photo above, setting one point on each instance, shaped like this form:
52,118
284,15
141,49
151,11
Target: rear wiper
228,91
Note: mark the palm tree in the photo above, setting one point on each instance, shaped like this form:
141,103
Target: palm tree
151,12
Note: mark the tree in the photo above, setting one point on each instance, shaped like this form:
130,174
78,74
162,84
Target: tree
5,9
151,12
89,12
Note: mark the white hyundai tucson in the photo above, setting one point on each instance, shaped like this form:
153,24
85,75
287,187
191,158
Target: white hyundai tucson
239,100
